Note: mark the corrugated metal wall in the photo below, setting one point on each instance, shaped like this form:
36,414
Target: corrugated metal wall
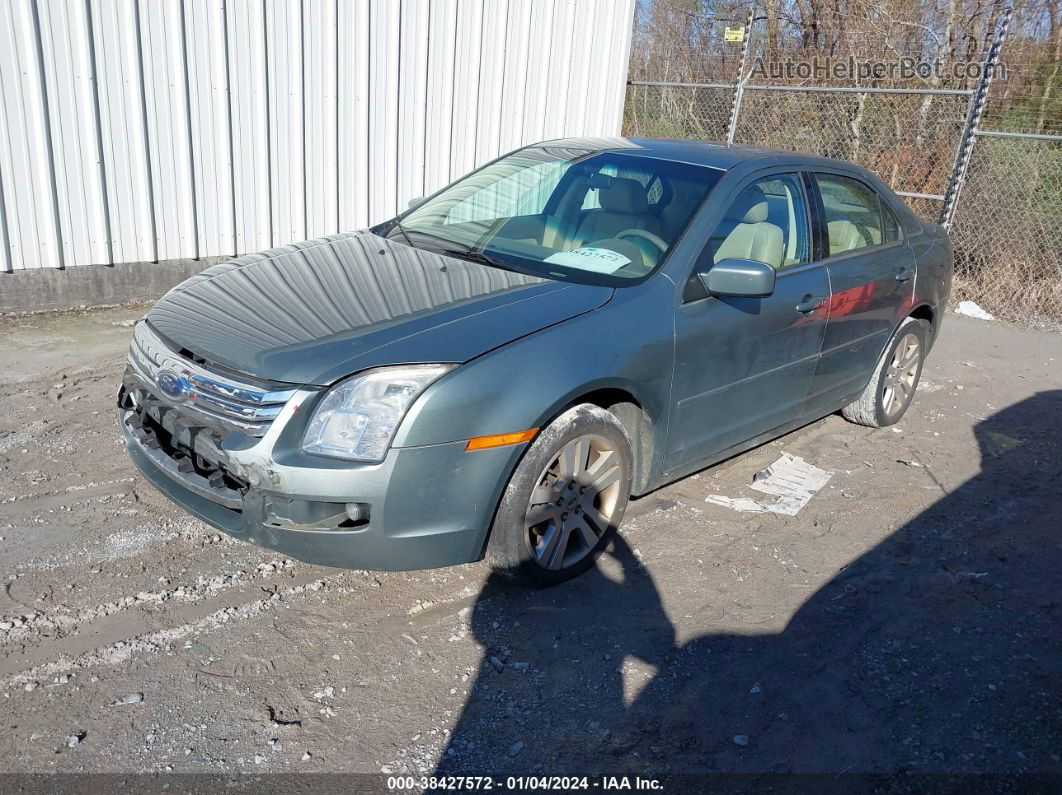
141,130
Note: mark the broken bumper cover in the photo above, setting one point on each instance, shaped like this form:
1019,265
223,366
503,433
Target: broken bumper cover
426,506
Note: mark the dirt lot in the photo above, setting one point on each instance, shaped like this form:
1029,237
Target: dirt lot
906,620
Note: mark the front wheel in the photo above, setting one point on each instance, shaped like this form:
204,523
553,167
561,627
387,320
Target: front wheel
565,499
891,389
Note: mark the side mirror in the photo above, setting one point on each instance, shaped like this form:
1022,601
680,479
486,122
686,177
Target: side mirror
413,203
744,278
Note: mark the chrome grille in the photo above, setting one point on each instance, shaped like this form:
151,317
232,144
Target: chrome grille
203,395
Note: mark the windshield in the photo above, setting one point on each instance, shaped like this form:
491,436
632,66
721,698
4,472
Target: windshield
592,217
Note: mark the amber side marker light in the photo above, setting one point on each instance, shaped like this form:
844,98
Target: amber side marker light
501,439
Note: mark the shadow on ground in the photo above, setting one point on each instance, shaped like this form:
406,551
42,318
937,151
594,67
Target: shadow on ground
939,650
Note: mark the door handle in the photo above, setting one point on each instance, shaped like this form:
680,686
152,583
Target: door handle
905,274
810,304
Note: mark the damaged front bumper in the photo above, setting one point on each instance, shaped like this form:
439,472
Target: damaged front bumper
421,507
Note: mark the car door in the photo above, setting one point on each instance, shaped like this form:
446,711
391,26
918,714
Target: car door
871,273
743,366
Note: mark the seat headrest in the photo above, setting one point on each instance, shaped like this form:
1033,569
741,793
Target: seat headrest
750,207
624,196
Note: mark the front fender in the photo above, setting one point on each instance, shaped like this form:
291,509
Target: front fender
628,345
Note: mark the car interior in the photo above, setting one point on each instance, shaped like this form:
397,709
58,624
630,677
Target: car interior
620,206
620,219
623,203
619,215
853,214
746,233
766,223
634,212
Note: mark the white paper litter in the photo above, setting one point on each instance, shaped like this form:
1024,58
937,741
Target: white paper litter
970,309
791,479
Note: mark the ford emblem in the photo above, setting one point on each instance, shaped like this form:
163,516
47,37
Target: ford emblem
173,385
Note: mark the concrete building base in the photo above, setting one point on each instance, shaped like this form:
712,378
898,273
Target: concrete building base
42,289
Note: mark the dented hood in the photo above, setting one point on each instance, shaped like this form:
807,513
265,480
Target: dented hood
314,312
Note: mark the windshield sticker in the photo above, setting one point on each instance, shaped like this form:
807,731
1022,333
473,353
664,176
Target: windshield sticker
588,258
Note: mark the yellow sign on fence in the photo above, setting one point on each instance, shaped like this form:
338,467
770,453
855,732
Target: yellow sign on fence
734,34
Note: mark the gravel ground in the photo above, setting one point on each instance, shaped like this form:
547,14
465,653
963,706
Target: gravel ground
906,620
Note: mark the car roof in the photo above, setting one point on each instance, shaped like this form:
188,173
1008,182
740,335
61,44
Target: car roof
701,153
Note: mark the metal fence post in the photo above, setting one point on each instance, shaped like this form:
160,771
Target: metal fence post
739,89
973,118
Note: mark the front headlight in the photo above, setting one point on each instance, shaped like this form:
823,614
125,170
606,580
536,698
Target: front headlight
358,417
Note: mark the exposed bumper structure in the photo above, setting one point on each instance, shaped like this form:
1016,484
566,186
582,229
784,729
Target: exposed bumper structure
268,492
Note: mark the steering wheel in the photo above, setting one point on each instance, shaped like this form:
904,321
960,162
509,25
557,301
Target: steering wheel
656,240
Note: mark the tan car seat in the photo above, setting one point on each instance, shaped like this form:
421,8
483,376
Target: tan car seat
750,236
846,236
624,205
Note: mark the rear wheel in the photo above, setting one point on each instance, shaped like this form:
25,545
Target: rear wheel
565,499
891,389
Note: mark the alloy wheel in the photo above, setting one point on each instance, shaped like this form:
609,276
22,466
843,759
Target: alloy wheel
899,381
573,502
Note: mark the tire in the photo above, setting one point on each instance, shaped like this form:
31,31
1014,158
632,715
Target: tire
565,499
892,387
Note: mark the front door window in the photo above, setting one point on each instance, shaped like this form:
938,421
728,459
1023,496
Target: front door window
767,222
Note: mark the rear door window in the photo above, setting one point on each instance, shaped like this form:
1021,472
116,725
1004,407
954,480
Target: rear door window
855,215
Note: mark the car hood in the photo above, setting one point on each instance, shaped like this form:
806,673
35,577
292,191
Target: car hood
314,312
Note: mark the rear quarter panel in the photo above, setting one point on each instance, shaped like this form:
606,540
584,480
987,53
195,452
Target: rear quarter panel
934,261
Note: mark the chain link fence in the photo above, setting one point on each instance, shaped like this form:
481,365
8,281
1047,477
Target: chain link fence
1007,230
677,110
872,129
973,143
1007,222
